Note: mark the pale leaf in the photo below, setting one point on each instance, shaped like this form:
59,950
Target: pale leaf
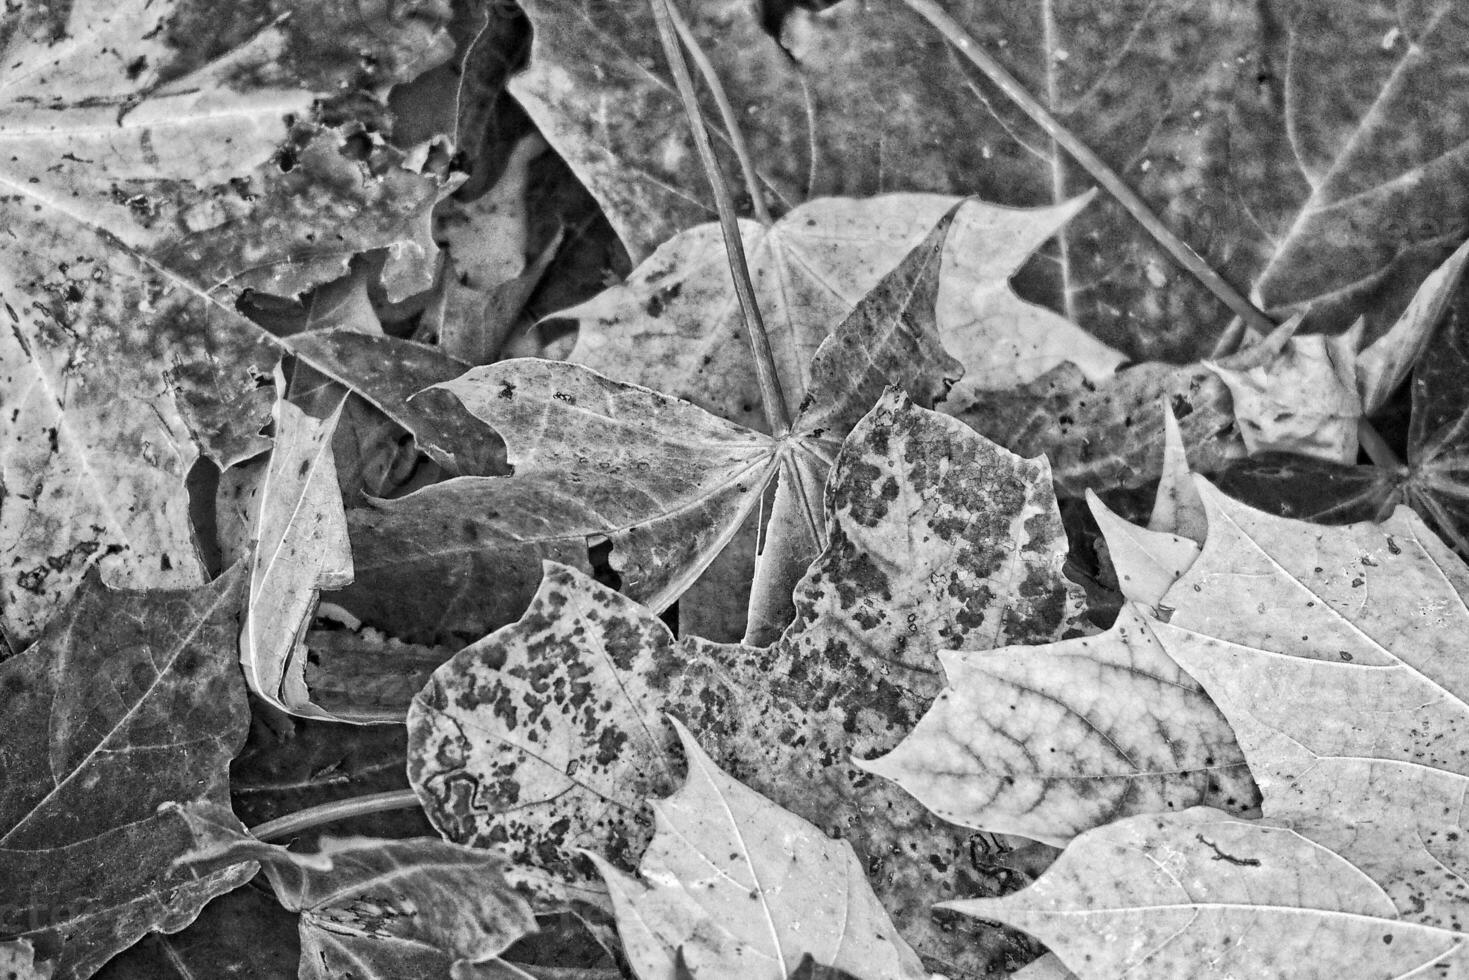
1177,508
300,547
745,890
1147,562
1051,741
1202,894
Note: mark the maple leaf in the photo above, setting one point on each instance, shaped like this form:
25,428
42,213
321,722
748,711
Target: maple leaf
1431,482
733,886
126,701
373,908
127,182
667,483
546,736
1331,653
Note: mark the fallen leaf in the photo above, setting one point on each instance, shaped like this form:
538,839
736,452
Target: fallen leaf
1147,562
1051,741
389,373
1110,433
300,547
545,736
126,701
739,888
374,908
142,185
666,483
1177,508
1205,894
1297,394
1331,652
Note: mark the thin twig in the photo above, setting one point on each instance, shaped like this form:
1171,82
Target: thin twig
772,396
727,114
354,806
1093,164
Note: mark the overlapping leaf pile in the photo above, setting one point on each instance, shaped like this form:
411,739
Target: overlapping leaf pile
346,478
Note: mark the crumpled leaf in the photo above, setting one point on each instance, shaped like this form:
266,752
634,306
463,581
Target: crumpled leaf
373,908
1332,652
1051,741
546,734
142,187
300,547
738,888
1297,394
126,701
675,325
665,482
390,373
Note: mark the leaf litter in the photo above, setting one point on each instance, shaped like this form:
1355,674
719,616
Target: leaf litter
239,371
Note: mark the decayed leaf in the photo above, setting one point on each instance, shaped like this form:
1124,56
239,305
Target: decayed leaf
1049,742
545,735
378,909
128,700
129,200
1332,652
743,889
665,482
388,372
300,547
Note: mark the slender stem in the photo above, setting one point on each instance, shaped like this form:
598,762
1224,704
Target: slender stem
772,397
1184,255
726,113
1376,447
354,806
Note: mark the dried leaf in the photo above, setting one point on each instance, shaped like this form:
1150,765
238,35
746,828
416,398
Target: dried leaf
378,909
1205,894
299,534
739,888
143,190
126,701
1177,508
961,546
388,372
1049,742
1332,653
1297,394
1147,562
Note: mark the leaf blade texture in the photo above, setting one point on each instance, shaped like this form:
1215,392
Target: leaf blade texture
127,701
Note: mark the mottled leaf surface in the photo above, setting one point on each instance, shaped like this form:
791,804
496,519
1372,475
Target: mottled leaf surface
737,887
378,909
126,701
137,184
961,546
1051,741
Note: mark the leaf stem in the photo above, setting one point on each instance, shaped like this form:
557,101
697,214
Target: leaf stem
772,396
727,114
1182,253
1376,447
353,806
